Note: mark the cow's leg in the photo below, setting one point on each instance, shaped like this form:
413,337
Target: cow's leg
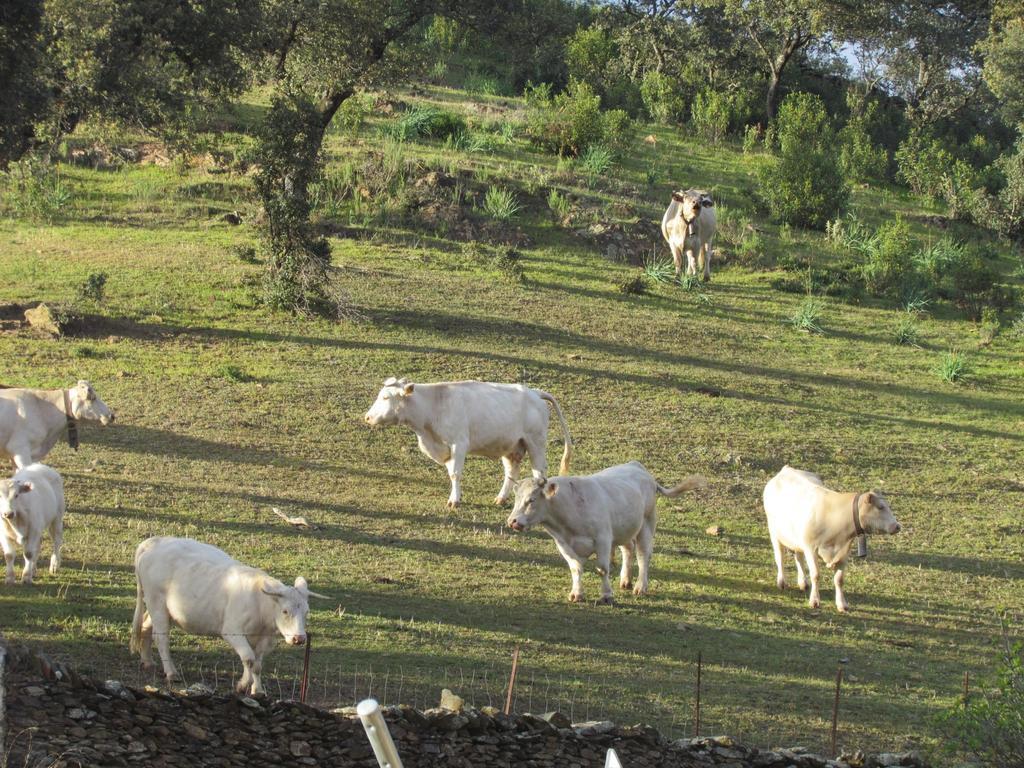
536,449
812,570
32,544
160,628
841,605
780,575
21,454
625,575
454,466
677,258
644,551
250,675
575,568
691,262
801,580
146,642
604,567
510,464
8,547
57,534
706,258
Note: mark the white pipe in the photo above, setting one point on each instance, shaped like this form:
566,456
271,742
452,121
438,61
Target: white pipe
378,734
612,761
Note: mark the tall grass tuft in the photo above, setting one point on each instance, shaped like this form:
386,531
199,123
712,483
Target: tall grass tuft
808,316
659,270
595,161
953,367
501,204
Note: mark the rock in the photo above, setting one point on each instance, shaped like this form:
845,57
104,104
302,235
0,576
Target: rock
451,702
535,723
594,727
195,731
33,690
247,701
557,719
44,319
300,749
714,530
199,689
117,688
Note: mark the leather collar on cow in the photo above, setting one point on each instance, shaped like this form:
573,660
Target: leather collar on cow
72,424
856,515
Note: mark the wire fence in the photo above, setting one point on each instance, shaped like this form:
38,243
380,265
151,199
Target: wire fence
673,701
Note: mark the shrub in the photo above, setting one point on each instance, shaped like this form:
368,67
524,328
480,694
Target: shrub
487,85
567,124
952,367
751,138
990,726
559,204
1009,207
35,190
619,131
426,122
804,185
808,315
93,288
663,97
860,158
635,284
353,113
970,283
889,260
588,55
709,116
923,162
501,203
659,270
594,162
907,333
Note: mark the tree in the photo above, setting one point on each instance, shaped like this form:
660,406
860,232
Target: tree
779,29
1003,50
319,53
23,94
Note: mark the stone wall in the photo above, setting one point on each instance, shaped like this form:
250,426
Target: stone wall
54,717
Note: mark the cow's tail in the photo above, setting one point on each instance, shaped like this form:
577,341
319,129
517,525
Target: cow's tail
563,468
691,483
135,645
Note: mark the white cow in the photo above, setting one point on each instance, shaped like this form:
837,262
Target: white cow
32,420
31,502
808,519
689,227
206,592
455,419
589,514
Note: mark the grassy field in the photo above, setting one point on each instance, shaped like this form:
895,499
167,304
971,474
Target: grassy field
226,411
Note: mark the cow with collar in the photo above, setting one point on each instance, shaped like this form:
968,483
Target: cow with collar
689,227
812,521
33,420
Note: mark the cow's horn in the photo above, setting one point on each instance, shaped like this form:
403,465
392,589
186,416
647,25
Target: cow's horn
317,594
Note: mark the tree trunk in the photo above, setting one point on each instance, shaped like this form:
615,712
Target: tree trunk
770,106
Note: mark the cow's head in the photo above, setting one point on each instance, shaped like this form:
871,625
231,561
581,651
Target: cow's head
87,406
291,605
690,204
390,402
10,491
532,499
875,514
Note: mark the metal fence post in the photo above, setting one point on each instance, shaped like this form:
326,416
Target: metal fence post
696,709
377,732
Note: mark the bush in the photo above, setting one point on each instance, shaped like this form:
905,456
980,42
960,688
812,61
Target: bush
970,283
889,260
635,284
589,52
860,158
808,316
34,189
663,97
709,116
595,162
923,162
804,185
952,367
751,138
990,727
1009,206
572,121
353,113
426,122
559,204
93,288
501,203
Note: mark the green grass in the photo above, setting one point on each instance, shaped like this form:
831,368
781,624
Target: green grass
225,412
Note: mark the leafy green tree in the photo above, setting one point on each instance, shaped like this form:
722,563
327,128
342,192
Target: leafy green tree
1004,60
23,93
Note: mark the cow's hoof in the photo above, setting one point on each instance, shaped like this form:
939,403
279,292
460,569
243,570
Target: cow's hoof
625,584
499,500
146,666
606,600
814,604
842,608
638,590
802,585
452,505
780,583
574,598
9,580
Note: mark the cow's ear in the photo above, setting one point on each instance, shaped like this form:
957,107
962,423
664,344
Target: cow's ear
678,197
23,487
390,381
871,498
551,489
300,584
408,388
273,587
